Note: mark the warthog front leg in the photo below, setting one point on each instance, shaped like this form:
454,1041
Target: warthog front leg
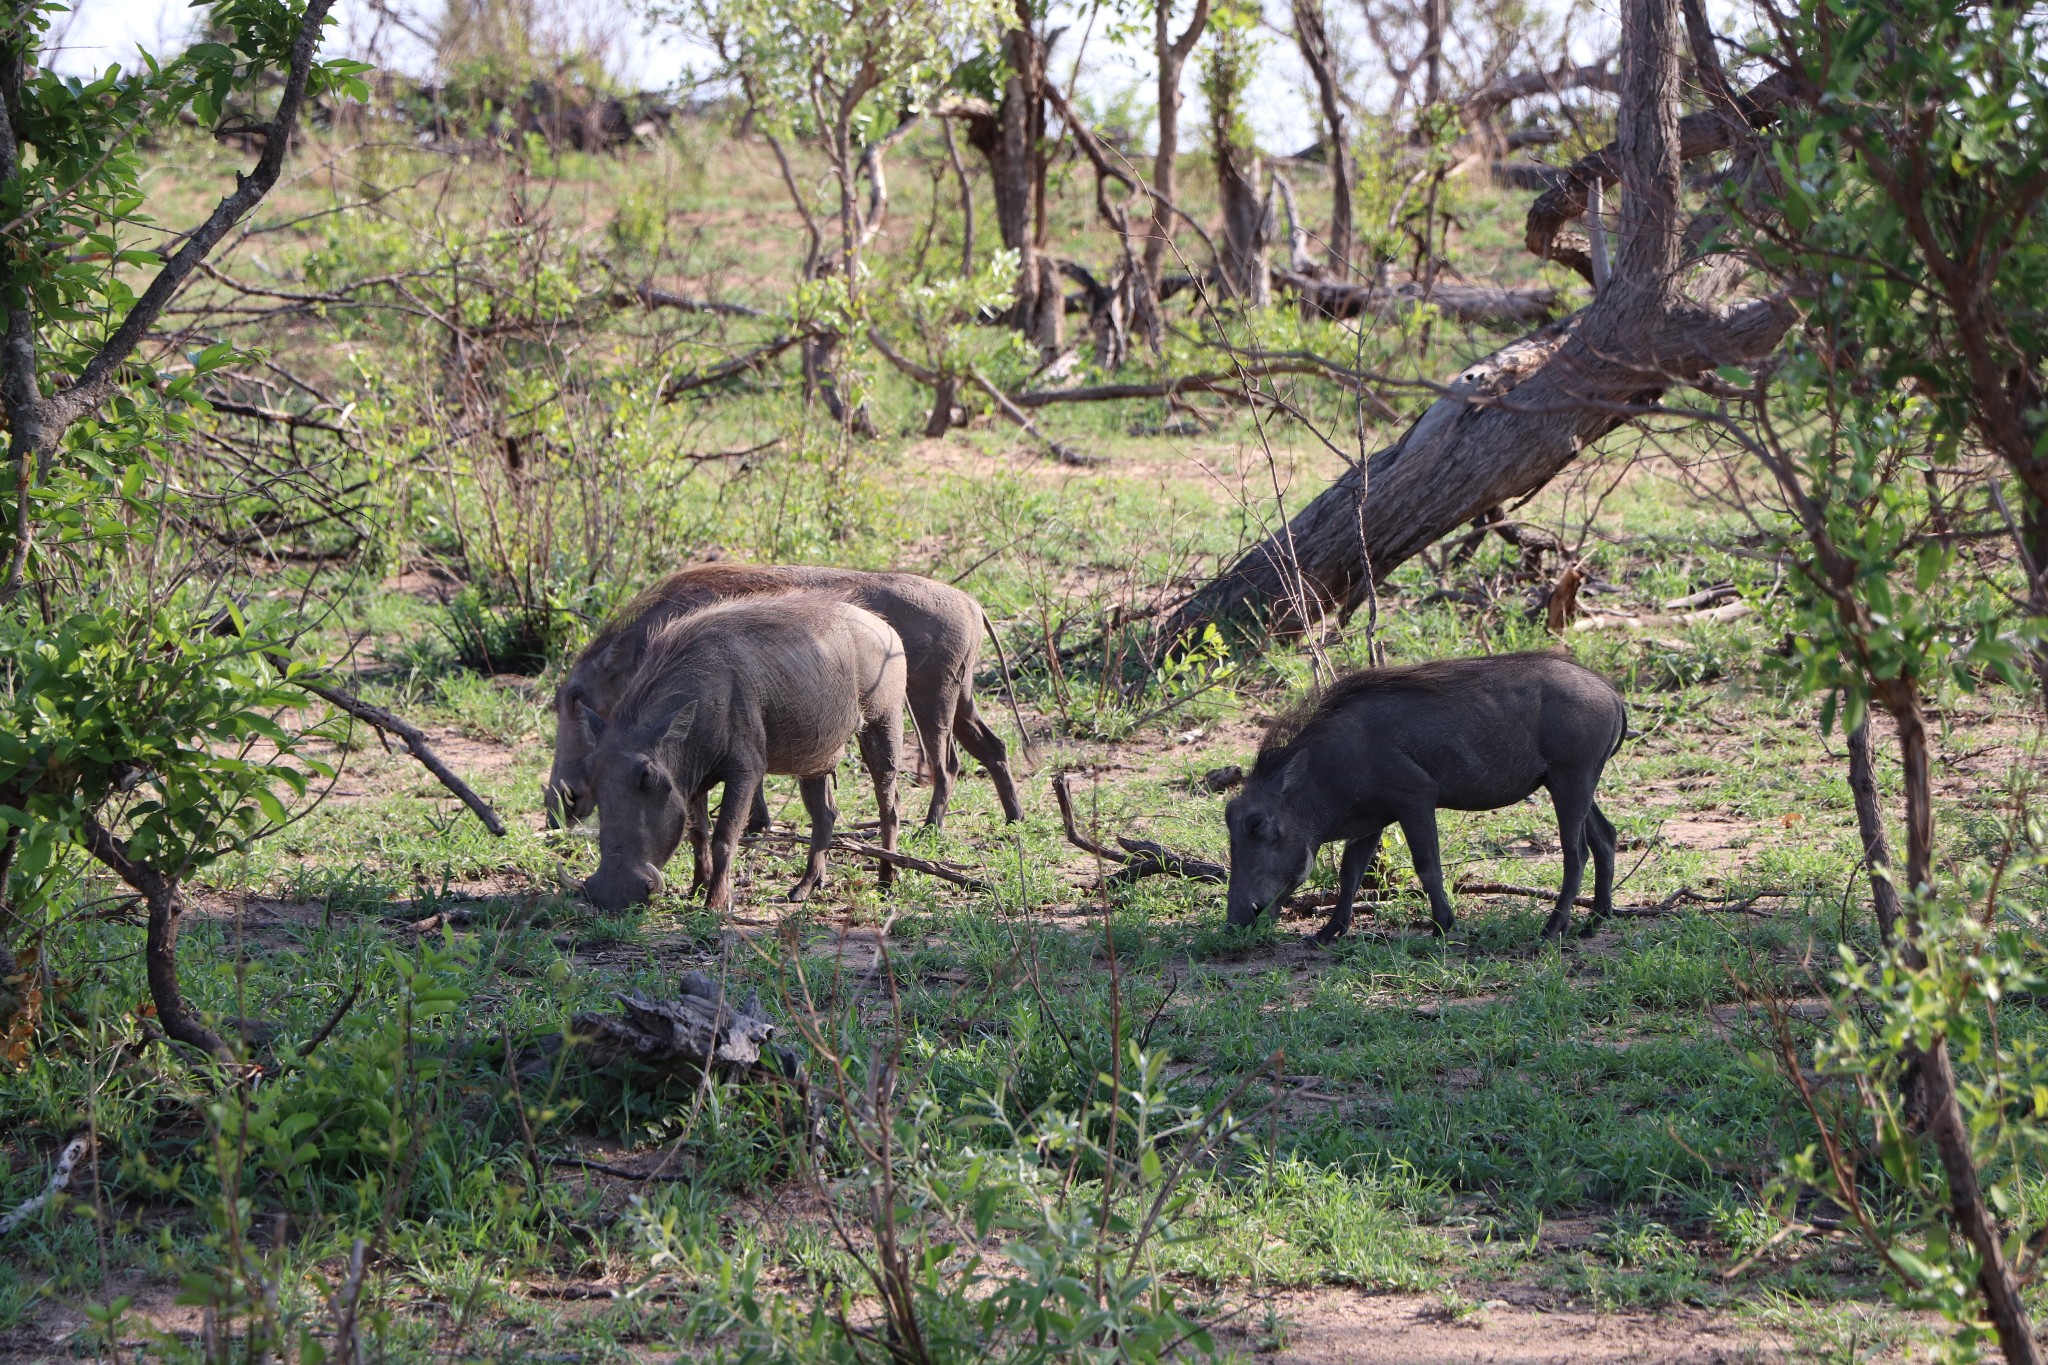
725,839
699,820
1360,856
824,814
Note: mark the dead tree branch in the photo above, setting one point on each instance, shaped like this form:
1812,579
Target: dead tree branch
1140,858
415,741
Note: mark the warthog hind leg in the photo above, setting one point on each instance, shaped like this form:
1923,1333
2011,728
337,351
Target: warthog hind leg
1420,829
881,744
1573,801
1600,833
824,814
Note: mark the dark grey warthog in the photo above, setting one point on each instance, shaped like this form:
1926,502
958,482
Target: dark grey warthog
1396,745
940,626
729,695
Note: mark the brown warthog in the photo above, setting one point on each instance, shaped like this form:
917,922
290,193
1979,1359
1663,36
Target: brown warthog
728,695
1395,745
940,626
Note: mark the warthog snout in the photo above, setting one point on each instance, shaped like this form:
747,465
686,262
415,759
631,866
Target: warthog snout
610,889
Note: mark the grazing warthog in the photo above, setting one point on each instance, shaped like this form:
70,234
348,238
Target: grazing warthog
1396,745
728,695
940,626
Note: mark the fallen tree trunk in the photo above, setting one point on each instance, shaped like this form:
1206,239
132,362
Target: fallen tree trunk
1507,425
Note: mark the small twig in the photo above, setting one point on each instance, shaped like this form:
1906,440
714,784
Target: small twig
570,1291
67,1161
1469,888
1074,835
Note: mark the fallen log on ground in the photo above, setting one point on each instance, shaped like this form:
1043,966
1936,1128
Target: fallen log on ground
1685,895
1726,611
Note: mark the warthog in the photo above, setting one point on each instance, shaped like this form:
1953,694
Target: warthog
940,626
1395,745
728,695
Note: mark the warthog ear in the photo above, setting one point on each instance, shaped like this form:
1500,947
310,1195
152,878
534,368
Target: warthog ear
618,658
679,725
589,722
1293,771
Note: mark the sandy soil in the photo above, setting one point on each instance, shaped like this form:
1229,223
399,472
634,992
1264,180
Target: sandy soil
1326,1327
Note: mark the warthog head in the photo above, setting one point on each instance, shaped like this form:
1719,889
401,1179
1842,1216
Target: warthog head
1272,847
635,783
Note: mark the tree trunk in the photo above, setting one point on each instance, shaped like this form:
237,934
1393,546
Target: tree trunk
1966,1204
1940,1112
1312,36
1247,219
1435,19
1171,55
1012,138
1509,423
166,902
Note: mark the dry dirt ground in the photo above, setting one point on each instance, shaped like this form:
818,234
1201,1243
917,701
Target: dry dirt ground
1329,1327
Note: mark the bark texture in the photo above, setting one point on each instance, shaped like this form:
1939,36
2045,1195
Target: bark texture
1877,853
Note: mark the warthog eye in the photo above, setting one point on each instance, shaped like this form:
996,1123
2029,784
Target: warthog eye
651,778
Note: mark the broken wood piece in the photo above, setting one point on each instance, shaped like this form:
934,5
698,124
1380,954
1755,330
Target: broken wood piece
1465,303
585,1164
703,1028
1223,779
1685,895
